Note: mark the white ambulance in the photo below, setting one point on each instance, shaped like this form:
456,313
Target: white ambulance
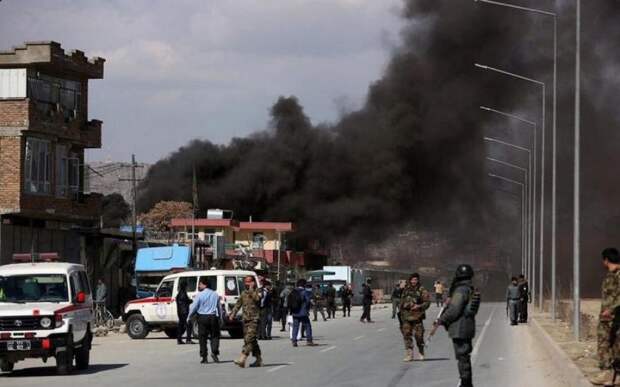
160,312
46,310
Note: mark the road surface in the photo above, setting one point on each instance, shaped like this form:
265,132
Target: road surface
350,354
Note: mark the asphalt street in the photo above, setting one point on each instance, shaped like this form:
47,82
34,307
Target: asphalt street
350,354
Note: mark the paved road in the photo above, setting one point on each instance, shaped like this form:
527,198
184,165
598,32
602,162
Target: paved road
350,354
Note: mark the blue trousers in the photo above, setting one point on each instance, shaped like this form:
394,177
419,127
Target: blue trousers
305,320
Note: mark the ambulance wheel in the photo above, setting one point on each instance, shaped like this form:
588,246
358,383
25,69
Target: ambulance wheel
82,354
64,361
6,366
137,328
236,333
171,332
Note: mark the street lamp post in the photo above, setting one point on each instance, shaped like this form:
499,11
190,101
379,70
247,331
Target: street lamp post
542,173
554,155
528,260
531,193
523,232
577,182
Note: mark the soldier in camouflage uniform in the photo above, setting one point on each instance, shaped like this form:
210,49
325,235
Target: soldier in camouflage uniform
414,302
610,300
249,301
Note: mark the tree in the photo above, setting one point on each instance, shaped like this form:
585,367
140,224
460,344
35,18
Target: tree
159,217
115,210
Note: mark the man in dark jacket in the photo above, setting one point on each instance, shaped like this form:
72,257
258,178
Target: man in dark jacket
331,301
266,311
459,320
366,303
396,292
302,312
524,298
183,301
346,294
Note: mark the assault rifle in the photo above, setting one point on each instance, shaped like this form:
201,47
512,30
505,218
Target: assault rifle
436,323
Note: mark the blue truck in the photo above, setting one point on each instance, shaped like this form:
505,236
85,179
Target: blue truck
154,263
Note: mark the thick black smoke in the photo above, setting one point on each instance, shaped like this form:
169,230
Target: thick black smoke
414,154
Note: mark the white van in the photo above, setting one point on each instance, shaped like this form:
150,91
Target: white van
160,312
46,310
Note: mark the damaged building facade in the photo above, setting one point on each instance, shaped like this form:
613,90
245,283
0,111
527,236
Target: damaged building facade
44,131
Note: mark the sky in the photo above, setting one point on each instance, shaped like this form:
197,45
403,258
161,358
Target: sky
182,69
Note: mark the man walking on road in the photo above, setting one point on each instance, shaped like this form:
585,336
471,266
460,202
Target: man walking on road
459,318
524,298
438,293
266,311
331,301
249,301
513,298
414,302
317,302
610,300
207,307
366,302
396,292
183,302
346,294
299,302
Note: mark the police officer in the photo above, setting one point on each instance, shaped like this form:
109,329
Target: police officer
366,302
513,299
414,301
524,298
346,293
317,302
459,320
249,301
396,293
208,310
610,300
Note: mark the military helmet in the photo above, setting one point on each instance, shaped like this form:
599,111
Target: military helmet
464,272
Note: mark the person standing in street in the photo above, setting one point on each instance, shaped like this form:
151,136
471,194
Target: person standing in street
513,298
414,302
300,301
183,302
610,300
249,301
317,302
208,310
331,301
524,298
101,293
266,316
459,318
366,302
439,293
284,306
396,292
346,293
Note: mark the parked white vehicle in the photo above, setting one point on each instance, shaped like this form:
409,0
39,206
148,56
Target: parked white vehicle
46,310
160,312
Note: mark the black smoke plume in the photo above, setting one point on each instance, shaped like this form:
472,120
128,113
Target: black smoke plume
413,156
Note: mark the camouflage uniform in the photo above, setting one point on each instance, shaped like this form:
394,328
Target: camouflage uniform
610,300
413,320
249,301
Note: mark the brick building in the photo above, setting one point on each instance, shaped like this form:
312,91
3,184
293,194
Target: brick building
44,131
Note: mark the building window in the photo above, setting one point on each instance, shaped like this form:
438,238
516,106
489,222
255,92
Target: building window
37,166
67,171
54,93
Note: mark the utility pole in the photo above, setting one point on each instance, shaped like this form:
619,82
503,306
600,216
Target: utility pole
134,195
576,203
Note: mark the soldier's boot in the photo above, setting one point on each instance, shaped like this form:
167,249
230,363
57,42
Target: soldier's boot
421,357
241,361
466,383
408,355
603,378
258,362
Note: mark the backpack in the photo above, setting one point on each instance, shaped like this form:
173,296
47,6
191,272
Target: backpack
295,301
473,305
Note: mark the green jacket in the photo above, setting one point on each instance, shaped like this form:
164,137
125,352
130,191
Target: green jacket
410,297
250,302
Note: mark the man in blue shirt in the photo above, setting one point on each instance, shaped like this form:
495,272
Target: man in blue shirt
299,304
207,307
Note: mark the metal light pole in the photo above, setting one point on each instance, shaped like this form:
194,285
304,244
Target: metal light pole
523,232
554,156
577,182
531,192
542,174
528,184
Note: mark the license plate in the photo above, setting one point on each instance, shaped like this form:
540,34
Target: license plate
18,345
